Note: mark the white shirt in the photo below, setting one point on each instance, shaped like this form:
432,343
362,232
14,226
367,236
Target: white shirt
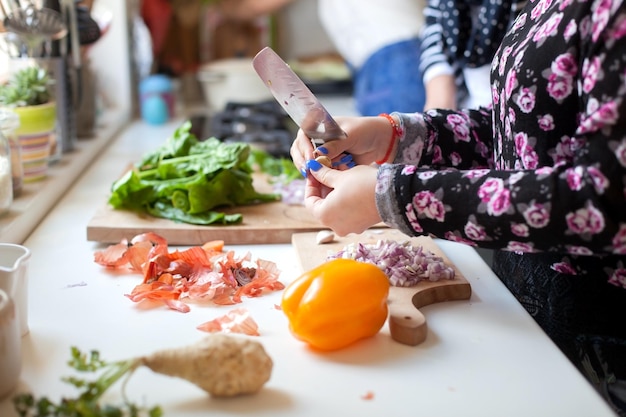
478,83
359,28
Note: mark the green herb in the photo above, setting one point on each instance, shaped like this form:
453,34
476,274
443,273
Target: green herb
279,169
27,87
186,180
207,363
86,404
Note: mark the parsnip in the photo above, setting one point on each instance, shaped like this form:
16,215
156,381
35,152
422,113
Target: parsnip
222,365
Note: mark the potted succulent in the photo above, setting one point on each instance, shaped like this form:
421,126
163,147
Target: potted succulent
28,92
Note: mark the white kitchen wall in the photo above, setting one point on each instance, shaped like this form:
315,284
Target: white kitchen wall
110,56
302,33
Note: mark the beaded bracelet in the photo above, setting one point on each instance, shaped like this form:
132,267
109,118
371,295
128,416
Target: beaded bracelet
397,132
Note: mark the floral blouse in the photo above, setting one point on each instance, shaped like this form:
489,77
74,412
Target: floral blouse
540,176
544,170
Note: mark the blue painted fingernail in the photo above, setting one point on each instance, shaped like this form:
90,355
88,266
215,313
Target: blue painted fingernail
346,158
303,172
351,164
322,150
313,165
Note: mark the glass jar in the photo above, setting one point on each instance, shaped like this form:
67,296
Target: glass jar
6,180
9,122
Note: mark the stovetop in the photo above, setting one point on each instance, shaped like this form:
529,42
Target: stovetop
265,125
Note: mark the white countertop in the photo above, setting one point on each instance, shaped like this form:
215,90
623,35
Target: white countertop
482,357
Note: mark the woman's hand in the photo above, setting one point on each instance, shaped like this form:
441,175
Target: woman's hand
344,200
367,141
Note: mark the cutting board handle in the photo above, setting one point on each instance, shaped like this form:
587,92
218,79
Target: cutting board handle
407,324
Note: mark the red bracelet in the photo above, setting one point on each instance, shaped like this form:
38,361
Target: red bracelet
397,132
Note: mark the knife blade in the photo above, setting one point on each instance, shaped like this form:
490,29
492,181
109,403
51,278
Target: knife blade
296,98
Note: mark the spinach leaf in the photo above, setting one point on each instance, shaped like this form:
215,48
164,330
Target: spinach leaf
185,180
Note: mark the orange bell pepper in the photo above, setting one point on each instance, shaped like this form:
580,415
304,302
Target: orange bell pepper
337,303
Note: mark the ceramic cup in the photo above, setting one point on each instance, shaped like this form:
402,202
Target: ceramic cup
14,279
10,346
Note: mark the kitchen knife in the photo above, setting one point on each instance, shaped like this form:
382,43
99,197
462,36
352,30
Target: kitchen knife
296,98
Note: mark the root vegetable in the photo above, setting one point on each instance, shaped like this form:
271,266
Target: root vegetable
220,364
223,366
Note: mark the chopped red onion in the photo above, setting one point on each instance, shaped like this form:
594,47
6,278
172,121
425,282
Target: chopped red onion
291,193
404,264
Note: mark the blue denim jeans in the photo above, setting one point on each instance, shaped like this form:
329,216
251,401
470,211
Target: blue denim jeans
390,80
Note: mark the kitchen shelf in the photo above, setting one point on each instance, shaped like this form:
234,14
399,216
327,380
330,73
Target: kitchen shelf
38,198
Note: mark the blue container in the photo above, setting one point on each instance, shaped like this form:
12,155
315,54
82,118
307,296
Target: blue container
156,95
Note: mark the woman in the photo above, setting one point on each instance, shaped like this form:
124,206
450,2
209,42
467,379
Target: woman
379,40
459,40
540,177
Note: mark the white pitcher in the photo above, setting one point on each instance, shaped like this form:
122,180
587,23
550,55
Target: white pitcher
14,279
10,346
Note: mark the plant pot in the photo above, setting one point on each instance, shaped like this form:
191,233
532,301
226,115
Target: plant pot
37,138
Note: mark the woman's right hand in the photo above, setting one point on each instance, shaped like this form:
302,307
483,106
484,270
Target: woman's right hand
367,141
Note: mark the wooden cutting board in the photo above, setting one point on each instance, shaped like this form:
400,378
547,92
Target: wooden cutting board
262,223
407,324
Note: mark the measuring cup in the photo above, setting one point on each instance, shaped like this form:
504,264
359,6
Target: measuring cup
14,279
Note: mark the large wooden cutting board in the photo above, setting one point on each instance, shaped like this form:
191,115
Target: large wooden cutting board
262,223
407,324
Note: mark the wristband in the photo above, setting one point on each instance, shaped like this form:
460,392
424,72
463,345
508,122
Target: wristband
397,132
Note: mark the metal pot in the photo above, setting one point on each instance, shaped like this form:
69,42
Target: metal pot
231,80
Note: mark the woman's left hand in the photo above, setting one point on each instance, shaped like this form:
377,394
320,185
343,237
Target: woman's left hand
343,200
367,141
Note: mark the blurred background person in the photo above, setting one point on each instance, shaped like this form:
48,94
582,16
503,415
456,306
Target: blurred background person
379,41
459,40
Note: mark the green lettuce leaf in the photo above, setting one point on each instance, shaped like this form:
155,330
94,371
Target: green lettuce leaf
186,180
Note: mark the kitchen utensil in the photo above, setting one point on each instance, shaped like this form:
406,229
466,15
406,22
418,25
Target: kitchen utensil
407,324
12,45
70,14
36,27
14,279
74,35
296,98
